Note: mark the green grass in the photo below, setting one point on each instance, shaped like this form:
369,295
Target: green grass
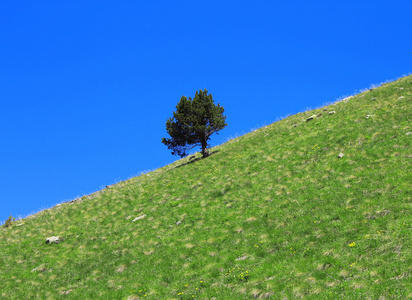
272,214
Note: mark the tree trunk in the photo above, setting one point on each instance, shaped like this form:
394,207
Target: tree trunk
205,152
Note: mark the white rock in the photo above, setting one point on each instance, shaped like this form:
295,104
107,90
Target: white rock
332,112
41,268
341,155
65,292
242,258
311,118
139,218
53,239
408,133
401,97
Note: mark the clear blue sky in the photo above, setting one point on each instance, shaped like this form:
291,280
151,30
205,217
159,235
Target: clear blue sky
86,87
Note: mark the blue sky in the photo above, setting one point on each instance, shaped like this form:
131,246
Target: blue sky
86,87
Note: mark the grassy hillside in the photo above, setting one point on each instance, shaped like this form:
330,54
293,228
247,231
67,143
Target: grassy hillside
271,214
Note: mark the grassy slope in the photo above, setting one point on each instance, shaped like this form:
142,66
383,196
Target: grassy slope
273,213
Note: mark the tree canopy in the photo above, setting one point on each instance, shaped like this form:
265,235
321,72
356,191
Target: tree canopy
193,122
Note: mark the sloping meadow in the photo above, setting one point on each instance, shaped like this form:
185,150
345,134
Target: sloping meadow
302,208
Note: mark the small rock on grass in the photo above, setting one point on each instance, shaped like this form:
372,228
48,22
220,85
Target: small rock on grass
53,239
65,292
139,218
332,112
408,133
41,268
311,118
242,258
341,155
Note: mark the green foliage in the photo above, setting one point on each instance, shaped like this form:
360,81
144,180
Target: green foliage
9,221
193,123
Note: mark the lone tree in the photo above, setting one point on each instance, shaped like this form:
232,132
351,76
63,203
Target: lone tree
194,121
